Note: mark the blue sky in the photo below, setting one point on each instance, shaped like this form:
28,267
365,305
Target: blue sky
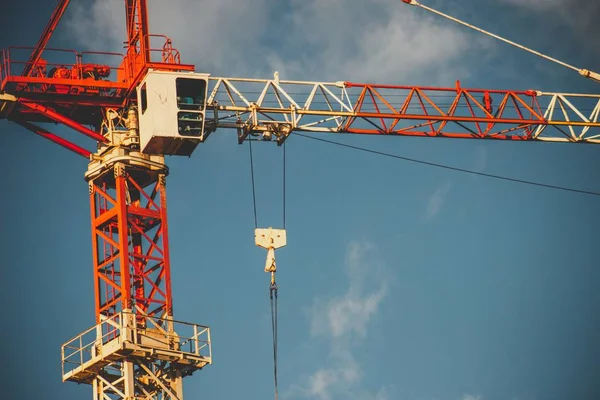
399,281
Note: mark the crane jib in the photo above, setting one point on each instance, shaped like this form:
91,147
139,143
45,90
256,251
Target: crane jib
255,105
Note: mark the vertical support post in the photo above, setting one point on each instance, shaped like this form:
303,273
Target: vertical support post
128,376
95,390
99,338
178,385
93,213
162,188
197,349
123,236
144,29
138,40
209,342
136,14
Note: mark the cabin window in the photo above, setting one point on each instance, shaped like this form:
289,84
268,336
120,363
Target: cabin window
144,98
190,94
190,123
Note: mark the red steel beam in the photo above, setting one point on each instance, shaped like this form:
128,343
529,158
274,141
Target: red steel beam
84,83
450,118
166,254
64,120
136,15
41,45
436,88
53,138
144,28
123,234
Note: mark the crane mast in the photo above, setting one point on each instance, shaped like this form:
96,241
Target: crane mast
136,349
145,104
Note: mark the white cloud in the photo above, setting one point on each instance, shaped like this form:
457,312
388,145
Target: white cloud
539,5
472,397
85,21
436,200
219,36
382,394
379,40
342,321
579,15
480,158
350,313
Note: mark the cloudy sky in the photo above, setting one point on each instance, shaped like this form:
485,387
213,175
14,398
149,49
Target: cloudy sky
399,281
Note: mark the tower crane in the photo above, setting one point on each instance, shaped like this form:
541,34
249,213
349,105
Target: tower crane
146,104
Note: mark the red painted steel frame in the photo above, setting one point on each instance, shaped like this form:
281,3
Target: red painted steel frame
72,91
53,138
139,49
473,108
67,121
136,15
130,246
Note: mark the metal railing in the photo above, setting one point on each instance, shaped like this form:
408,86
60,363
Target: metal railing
76,65
168,54
84,347
16,58
140,330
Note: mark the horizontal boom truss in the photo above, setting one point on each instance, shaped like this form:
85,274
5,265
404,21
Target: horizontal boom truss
255,105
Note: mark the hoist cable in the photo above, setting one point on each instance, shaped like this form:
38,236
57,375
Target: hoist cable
283,185
254,186
273,296
273,290
253,189
458,21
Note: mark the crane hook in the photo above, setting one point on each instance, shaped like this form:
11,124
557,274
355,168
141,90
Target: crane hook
270,239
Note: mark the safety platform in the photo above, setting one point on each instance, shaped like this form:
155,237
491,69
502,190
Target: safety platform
127,337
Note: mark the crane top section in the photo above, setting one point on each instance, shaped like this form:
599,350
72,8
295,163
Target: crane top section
171,108
583,72
79,82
